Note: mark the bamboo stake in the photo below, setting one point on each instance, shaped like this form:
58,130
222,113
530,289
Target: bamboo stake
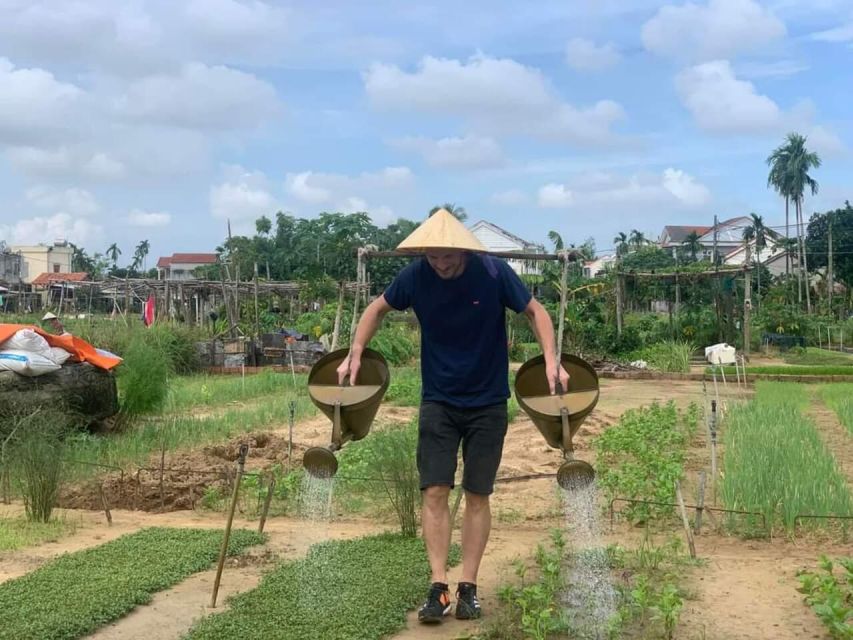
105,505
700,506
688,532
241,463
267,502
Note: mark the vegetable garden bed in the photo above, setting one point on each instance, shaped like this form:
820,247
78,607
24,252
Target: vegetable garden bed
76,593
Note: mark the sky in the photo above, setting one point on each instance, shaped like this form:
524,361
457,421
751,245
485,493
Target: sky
161,120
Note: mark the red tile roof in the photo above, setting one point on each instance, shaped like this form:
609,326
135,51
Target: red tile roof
164,261
47,278
194,258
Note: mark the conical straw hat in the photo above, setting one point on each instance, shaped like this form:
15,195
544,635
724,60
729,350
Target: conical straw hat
441,231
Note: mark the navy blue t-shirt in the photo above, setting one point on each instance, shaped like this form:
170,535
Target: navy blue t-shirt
464,359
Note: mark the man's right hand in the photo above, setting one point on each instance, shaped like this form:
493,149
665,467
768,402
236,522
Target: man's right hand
349,367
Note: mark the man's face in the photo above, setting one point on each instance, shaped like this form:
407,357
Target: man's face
448,264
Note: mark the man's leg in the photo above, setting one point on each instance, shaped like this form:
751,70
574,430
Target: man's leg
436,526
476,526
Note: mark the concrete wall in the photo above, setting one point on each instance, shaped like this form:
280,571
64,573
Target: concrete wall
41,259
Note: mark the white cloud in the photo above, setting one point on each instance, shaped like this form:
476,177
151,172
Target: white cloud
776,69
494,96
140,218
672,189
320,188
843,33
719,29
297,185
509,198
35,106
685,188
824,142
585,55
241,200
201,97
63,225
76,201
65,161
244,26
554,196
470,152
720,103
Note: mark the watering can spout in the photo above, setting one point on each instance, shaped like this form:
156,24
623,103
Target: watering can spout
350,408
559,417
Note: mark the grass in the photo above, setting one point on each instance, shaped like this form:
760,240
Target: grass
776,463
135,445
77,593
16,533
342,590
188,392
839,398
818,357
671,356
794,370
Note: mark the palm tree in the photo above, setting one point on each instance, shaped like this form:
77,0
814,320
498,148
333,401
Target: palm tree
638,238
263,225
140,253
556,239
621,242
757,232
458,212
789,175
113,252
691,243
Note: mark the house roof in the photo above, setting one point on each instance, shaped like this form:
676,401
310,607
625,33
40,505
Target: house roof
678,233
187,258
484,223
48,278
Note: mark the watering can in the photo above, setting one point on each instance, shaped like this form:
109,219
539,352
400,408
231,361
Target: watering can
559,416
351,408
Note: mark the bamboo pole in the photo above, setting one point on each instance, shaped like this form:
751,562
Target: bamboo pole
241,463
700,503
687,531
267,502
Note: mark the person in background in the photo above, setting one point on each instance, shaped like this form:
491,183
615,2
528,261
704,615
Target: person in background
55,326
459,296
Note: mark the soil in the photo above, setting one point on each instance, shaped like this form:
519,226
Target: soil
745,589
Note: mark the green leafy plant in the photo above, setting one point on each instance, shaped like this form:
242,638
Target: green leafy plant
643,456
839,398
829,592
76,593
143,377
671,356
323,596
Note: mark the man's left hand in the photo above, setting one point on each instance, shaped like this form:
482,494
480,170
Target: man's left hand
552,370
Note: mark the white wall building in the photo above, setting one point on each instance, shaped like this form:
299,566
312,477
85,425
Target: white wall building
39,259
495,238
180,266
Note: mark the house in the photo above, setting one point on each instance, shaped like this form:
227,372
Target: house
673,236
728,239
599,266
39,259
11,265
180,266
57,288
495,238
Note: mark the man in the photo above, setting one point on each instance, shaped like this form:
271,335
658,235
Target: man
459,297
54,324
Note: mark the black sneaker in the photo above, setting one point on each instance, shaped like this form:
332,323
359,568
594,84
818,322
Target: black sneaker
437,605
467,604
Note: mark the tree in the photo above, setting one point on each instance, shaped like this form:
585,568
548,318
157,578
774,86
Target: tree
556,239
621,243
638,239
458,212
140,253
113,252
263,225
758,234
692,245
817,242
790,165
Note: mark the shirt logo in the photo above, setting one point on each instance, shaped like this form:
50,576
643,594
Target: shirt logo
476,302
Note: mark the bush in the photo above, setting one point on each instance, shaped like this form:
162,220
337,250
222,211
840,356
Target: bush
143,377
393,457
670,356
397,344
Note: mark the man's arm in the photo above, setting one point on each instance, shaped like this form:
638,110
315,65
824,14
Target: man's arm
540,320
368,324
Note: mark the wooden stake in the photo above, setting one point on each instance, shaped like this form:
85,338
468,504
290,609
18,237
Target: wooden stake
105,505
267,502
700,504
688,532
241,463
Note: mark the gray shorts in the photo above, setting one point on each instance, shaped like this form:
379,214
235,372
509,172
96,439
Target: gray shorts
481,430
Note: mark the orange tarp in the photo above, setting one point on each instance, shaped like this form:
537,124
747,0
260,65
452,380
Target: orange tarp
77,347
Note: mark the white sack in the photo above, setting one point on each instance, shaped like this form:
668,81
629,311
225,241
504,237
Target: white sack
26,363
59,355
27,340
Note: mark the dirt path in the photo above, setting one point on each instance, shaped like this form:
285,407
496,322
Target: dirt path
835,436
747,591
